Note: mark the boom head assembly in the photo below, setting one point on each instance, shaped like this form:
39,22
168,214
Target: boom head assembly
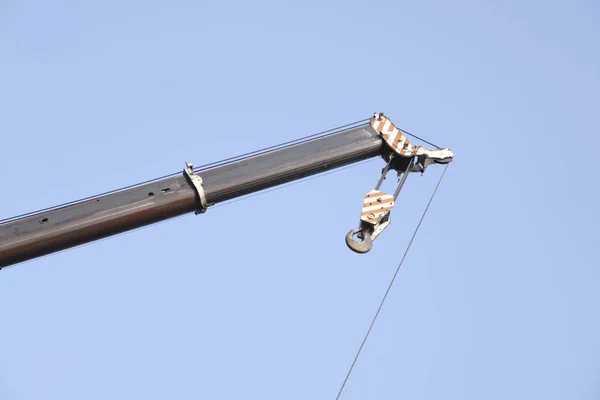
402,157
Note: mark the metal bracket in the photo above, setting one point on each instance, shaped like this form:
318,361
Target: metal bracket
399,144
196,182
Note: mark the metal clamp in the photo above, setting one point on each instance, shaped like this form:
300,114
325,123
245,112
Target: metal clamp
196,182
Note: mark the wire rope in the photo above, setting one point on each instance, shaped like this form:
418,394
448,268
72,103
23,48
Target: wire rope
387,292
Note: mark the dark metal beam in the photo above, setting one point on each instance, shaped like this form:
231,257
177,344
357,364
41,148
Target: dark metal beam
108,215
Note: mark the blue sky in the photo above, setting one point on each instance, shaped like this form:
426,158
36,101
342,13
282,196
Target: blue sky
498,296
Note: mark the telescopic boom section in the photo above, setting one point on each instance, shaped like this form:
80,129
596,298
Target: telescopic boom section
55,230
60,228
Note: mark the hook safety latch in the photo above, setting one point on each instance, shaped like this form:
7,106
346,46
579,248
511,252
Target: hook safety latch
196,182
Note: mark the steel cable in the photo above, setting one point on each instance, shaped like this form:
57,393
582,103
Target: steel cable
387,292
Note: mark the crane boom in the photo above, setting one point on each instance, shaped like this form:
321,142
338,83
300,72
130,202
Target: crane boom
57,229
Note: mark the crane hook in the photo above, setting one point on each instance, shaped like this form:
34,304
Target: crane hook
364,245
